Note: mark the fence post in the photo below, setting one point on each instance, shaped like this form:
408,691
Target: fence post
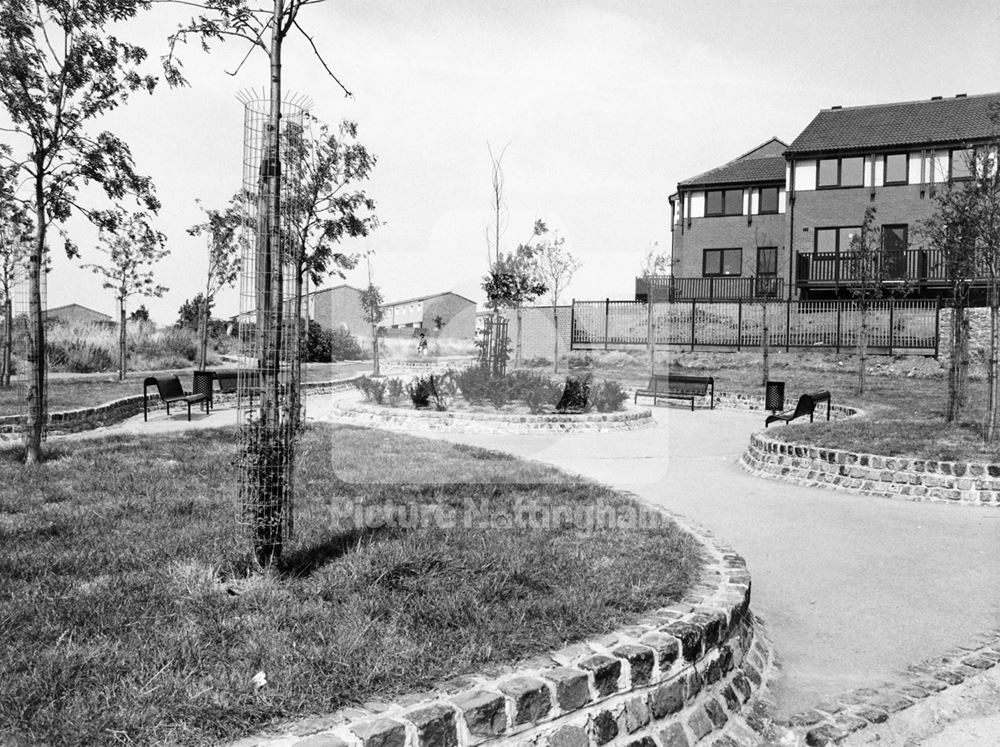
607,307
572,323
693,302
788,325
937,328
892,317
739,323
840,308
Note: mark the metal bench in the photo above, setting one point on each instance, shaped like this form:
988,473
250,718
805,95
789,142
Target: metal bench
678,386
805,406
170,390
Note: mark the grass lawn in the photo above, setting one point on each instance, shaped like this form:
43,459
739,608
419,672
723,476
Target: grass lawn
126,614
906,398
69,391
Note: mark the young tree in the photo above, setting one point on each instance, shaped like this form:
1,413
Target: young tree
371,309
60,71
15,242
763,269
866,268
139,315
223,228
514,280
190,313
131,252
498,207
654,263
556,269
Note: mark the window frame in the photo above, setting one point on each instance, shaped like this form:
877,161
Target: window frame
721,251
906,236
840,173
951,164
723,213
885,170
760,250
837,250
760,201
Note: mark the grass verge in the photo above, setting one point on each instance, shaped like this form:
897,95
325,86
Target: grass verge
126,614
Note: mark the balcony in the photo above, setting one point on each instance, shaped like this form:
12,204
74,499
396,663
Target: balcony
724,288
911,269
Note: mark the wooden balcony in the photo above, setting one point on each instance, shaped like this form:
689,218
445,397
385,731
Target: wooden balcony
912,269
725,288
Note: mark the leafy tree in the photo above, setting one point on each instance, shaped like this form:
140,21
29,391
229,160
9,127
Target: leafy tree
514,280
139,315
15,240
224,235
371,311
556,268
60,70
866,268
190,313
131,251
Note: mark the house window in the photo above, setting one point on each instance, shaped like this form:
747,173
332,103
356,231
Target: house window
961,160
834,240
768,200
897,168
722,262
841,172
723,202
894,238
767,261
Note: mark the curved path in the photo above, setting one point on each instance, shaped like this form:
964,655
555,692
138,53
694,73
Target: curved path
851,588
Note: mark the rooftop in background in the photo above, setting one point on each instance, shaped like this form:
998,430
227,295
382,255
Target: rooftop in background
74,312
938,120
765,163
424,298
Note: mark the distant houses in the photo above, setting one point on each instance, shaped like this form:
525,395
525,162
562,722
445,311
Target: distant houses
74,313
445,314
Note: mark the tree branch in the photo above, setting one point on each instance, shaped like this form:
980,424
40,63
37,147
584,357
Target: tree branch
326,67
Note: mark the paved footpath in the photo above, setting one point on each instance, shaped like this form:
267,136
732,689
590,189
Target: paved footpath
852,588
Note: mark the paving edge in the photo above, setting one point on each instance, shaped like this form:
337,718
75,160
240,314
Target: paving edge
685,674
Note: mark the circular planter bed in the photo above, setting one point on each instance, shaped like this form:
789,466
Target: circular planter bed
507,420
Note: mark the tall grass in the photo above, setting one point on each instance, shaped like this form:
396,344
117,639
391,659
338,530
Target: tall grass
405,348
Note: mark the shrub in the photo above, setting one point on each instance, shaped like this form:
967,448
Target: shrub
474,384
500,390
537,391
580,361
373,389
331,345
537,362
395,391
443,389
80,356
576,395
421,389
609,396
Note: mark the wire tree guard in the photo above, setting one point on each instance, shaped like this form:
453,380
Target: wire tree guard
268,392
495,345
22,331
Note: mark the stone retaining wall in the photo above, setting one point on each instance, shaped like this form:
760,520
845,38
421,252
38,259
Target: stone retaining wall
87,418
683,675
916,479
487,422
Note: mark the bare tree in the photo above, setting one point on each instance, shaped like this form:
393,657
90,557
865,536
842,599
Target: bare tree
498,206
131,251
866,267
653,264
556,267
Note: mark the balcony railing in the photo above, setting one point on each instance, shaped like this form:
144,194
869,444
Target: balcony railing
732,288
917,266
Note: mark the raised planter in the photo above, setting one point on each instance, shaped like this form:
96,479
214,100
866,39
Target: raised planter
489,422
683,674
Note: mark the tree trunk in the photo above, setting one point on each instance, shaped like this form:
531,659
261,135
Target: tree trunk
203,336
8,340
990,434
555,337
122,346
375,371
650,332
863,347
765,347
35,397
296,393
517,351
957,365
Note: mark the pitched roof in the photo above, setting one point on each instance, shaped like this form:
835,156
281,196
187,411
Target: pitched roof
67,307
752,170
908,123
425,298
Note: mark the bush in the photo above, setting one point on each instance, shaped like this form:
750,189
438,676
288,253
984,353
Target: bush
443,389
580,361
576,395
421,389
373,389
537,362
395,391
474,384
501,390
538,392
331,345
80,356
609,396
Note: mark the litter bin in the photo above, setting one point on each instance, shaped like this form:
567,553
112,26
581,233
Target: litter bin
202,384
774,396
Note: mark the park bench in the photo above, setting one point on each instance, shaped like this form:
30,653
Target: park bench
678,386
806,406
171,392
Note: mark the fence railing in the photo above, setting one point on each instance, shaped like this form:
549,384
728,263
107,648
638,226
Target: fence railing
893,325
668,288
920,266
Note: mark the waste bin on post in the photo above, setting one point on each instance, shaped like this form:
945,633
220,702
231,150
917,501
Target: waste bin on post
774,396
202,384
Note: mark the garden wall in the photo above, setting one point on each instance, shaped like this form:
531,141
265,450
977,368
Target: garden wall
917,479
683,675
539,335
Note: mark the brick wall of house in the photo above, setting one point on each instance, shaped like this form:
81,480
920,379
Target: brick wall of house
539,334
339,308
729,233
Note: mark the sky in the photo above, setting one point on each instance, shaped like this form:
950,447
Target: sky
600,108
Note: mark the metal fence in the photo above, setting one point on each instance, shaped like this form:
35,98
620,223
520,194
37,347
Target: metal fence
893,325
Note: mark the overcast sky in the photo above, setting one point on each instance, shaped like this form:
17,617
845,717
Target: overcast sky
603,107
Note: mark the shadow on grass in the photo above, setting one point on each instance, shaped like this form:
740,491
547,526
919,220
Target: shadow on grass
305,561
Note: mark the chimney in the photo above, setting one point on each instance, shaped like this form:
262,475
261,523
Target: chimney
834,108
959,95
936,98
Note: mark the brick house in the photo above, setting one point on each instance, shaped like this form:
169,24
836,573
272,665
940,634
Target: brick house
889,156
728,229
339,308
74,313
457,315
